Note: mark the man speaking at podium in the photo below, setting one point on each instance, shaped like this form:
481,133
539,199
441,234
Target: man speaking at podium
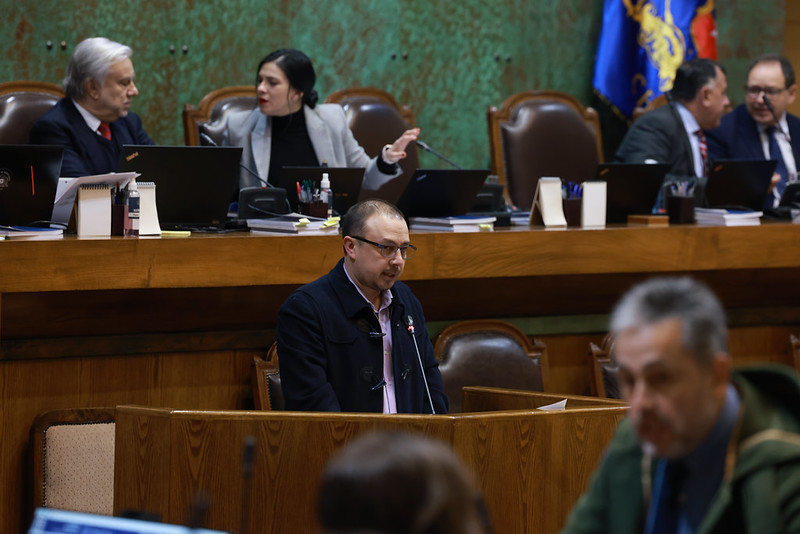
355,340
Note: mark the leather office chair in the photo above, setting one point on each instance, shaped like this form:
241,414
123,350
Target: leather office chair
21,104
603,370
488,352
376,119
542,133
212,108
73,460
267,392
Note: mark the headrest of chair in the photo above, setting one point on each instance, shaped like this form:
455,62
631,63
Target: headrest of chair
18,112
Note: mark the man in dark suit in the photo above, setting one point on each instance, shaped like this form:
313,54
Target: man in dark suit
93,122
754,131
355,340
673,133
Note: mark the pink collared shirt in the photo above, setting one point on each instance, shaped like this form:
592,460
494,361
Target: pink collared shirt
385,319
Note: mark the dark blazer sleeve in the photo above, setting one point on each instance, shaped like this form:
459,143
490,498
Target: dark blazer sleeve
133,126
54,128
650,137
303,358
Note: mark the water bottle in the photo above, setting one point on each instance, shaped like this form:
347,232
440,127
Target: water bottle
132,205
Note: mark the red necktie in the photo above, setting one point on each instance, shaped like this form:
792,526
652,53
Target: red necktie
104,130
701,137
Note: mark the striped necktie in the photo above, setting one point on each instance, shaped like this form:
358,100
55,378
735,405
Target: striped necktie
701,138
105,130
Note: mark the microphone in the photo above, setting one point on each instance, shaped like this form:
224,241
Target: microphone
210,142
777,121
411,329
424,146
247,473
376,335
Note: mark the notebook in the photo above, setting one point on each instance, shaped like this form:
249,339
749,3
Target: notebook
194,184
441,192
53,521
28,183
739,184
345,183
631,188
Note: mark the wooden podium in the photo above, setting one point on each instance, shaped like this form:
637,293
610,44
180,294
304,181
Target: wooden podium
530,465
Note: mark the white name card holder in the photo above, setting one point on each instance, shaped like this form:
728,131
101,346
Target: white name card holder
548,207
148,215
94,210
593,207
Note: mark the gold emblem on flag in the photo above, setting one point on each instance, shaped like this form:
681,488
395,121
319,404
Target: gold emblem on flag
660,37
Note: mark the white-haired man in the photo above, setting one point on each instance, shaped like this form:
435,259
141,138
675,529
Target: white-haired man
93,121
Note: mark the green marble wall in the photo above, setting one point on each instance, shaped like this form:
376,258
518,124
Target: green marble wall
448,60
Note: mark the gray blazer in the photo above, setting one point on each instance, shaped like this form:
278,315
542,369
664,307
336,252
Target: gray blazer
329,133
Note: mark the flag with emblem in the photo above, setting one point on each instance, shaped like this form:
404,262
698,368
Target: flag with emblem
642,43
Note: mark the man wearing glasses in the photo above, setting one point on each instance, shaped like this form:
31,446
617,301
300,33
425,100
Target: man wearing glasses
355,340
761,128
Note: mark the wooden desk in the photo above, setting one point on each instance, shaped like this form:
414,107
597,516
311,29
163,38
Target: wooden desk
530,465
176,321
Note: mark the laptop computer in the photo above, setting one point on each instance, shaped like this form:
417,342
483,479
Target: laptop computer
28,183
194,184
53,521
441,192
739,184
631,188
345,183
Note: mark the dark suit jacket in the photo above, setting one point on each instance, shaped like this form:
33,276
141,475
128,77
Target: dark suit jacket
737,136
85,152
659,135
329,361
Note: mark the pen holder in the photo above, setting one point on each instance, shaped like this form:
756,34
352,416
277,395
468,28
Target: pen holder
572,211
680,209
314,209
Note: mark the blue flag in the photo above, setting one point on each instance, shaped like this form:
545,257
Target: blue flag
642,44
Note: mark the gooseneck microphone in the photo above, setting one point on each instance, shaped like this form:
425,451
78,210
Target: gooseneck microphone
410,323
424,146
247,473
210,142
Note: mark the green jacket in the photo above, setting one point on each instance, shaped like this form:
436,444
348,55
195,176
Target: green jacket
760,495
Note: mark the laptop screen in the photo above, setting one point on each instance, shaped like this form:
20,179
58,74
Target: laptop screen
194,184
52,521
739,183
631,188
28,183
441,192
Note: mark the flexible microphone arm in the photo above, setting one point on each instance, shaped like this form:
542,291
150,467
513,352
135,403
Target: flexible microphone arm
424,146
410,323
210,142
248,457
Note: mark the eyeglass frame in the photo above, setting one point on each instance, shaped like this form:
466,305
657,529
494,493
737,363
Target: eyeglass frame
381,248
755,90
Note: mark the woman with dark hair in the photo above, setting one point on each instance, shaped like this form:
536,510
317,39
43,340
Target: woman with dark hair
289,128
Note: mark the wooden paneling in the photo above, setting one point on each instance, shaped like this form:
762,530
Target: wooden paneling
176,322
163,457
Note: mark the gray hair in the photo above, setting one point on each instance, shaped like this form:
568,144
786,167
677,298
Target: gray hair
704,326
91,59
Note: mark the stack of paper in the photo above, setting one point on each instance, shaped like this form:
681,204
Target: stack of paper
723,217
27,232
461,223
294,224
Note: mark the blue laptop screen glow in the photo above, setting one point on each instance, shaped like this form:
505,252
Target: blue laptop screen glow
52,521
